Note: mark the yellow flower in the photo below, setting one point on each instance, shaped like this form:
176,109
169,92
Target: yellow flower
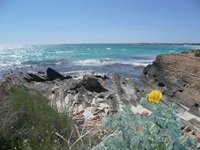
154,96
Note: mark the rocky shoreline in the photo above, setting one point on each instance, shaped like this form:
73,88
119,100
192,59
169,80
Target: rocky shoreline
178,77
92,97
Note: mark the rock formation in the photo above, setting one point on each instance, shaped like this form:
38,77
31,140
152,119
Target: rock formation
92,97
178,77
76,95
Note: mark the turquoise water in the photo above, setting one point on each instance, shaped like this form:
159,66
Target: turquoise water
73,59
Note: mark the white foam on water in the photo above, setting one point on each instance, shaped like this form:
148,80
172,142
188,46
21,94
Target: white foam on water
15,56
62,52
137,62
140,64
93,62
80,73
107,61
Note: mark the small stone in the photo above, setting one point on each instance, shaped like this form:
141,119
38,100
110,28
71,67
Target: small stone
145,113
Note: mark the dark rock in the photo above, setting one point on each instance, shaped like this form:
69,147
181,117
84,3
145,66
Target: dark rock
182,128
53,92
100,96
68,77
35,77
91,84
105,77
53,74
145,71
161,84
196,105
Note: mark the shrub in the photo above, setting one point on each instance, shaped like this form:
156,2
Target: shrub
26,120
197,55
160,130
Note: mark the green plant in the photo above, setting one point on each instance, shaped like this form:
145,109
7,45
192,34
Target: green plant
160,130
27,120
197,55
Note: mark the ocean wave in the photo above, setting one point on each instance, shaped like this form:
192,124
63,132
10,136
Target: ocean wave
103,62
79,73
93,62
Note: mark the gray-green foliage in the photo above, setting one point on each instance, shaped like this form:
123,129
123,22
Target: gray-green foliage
160,130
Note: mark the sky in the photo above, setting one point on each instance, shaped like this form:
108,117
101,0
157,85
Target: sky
99,21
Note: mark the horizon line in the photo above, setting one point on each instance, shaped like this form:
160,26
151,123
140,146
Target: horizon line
138,43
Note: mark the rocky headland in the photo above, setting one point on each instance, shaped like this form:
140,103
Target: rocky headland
92,97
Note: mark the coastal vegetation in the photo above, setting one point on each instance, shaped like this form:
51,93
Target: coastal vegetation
161,130
197,55
27,121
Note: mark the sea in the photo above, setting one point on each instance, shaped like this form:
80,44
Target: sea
80,59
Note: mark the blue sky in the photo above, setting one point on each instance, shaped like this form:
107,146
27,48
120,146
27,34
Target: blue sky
99,21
